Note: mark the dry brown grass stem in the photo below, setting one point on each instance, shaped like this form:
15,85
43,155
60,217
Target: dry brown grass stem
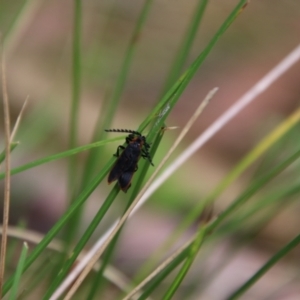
99,252
7,172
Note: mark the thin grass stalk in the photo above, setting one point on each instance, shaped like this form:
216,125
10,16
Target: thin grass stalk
156,281
166,104
214,224
186,45
7,170
105,119
74,120
72,190
54,157
249,159
228,115
263,84
64,219
3,154
98,280
76,89
19,26
266,267
37,277
62,222
69,279
161,268
13,246
183,133
109,252
194,249
13,144
254,188
243,241
19,271
81,244
18,121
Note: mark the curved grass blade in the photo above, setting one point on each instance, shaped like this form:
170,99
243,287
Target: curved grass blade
251,157
168,101
194,249
82,242
105,120
76,89
19,271
58,156
70,279
256,186
214,224
266,267
80,200
13,145
185,48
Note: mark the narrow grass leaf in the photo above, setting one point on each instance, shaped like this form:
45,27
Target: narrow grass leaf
266,267
214,224
165,105
58,156
76,81
250,158
98,280
19,271
194,249
157,280
105,119
256,186
186,45
82,242
62,221
13,145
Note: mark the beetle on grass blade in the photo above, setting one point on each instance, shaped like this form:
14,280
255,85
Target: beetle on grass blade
127,162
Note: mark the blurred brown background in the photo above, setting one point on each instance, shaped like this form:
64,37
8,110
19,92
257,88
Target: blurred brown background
38,62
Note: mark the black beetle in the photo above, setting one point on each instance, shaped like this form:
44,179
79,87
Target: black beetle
127,162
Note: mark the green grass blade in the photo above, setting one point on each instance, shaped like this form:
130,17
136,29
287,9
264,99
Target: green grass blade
76,89
266,143
154,283
184,50
97,283
82,242
271,139
13,246
20,21
256,186
194,249
105,120
165,105
136,187
246,236
58,156
37,275
168,101
13,145
213,225
80,200
74,120
19,271
267,266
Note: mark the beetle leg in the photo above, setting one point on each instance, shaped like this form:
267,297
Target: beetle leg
118,151
146,154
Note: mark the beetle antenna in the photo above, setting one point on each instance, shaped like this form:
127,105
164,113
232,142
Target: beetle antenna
123,130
